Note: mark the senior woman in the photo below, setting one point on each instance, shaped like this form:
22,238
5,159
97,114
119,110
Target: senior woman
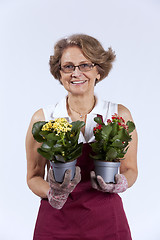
86,207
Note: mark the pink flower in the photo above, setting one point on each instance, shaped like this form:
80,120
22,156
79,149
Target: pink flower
122,119
108,121
115,116
98,127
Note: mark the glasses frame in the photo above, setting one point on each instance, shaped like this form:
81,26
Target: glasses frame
74,67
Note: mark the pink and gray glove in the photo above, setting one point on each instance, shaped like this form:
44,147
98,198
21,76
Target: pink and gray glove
59,192
120,186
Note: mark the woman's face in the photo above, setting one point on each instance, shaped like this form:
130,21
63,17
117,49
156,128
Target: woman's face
77,82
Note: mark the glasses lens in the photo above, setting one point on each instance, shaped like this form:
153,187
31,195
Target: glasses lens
67,68
82,67
86,67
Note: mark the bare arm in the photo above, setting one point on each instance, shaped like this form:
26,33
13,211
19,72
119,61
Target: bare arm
35,162
129,165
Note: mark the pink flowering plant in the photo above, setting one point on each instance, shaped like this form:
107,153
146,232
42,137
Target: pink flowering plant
111,139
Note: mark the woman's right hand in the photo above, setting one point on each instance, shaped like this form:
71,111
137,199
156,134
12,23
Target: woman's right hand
59,192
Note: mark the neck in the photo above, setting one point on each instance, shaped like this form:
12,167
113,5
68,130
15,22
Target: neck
81,105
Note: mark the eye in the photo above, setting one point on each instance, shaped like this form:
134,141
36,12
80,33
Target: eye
85,65
69,66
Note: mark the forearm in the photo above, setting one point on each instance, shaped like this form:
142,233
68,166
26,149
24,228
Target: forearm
38,186
131,176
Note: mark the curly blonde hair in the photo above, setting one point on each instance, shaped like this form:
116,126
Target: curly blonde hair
92,50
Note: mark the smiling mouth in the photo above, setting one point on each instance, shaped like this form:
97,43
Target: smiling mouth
78,82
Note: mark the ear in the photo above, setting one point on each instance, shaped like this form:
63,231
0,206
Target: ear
97,78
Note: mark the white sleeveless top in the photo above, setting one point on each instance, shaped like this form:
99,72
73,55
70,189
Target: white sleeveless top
103,107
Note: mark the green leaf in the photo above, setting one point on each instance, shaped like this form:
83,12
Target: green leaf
98,120
117,143
44,133
120,155
122,135
97,156
76,153
36,129
47,146
98,137
106,130
131,126
68,136
57,147
96,146
77,125
76,137
69,144
111,154
45,154
114,129
59,158
107,159
52,136
71,148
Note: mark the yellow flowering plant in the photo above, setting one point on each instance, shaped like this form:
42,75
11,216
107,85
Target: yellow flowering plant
59,139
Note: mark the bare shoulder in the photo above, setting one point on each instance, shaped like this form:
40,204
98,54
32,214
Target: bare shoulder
124,112
38,116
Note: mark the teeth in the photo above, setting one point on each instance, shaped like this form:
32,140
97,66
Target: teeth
78,82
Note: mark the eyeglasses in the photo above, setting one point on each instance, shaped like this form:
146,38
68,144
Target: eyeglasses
70,68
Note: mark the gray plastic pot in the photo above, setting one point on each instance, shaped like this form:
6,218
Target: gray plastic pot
60,168
107,170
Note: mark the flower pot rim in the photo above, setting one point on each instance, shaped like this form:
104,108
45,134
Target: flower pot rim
118,161
63,162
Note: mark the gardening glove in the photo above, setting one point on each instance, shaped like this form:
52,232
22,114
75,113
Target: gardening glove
120,186
59,192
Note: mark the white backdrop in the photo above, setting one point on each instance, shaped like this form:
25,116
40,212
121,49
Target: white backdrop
28,32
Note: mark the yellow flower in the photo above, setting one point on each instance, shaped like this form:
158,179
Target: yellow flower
48,126
61,120
59,125
63,153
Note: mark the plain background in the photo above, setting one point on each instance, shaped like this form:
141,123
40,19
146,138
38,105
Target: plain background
28,31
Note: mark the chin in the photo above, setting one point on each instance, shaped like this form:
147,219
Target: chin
77,90
77,93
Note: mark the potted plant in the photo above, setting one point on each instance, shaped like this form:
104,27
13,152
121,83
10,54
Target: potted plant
110,146
60,144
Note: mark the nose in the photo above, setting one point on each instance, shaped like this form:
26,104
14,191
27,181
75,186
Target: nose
76,72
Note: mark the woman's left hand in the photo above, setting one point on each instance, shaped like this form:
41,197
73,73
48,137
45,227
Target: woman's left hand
120,186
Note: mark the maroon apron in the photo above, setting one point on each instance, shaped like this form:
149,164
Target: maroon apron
88,214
